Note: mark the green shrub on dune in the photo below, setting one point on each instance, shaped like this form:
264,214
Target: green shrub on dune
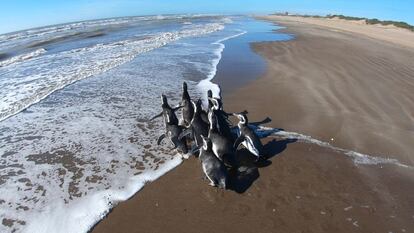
367,21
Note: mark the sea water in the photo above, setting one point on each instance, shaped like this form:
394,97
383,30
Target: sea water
75,103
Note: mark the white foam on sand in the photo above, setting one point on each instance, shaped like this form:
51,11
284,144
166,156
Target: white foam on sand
207,83
358,158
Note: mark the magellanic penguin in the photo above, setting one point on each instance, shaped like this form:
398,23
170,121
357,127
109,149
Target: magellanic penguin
198,127
172,129
187,107
222,122
248,137
213,168
167,112
221,145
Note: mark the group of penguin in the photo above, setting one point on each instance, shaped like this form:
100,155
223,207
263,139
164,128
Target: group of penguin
211,132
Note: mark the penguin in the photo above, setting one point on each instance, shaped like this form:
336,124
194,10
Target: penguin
248,137
213,168
197,127
172,129
187,107
172,132
167,112
223,124
222,146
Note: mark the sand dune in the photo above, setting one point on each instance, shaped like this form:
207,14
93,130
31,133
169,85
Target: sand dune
387,33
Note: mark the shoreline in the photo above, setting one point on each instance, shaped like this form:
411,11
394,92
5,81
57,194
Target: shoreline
305,188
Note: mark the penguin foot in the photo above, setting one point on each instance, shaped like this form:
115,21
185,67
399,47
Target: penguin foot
260,158
185,156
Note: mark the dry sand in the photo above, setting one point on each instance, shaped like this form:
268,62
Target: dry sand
389,33
347,87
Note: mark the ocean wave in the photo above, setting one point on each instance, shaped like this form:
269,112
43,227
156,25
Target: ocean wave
22,57
21,38
33,81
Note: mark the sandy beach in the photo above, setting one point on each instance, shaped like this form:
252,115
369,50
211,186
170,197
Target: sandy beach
351,86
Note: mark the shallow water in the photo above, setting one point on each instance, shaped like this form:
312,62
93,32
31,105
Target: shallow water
68,153
239,61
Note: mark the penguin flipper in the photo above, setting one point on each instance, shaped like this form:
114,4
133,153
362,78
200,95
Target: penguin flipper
177,107
160,138
184,133
175,145
156,116
238,141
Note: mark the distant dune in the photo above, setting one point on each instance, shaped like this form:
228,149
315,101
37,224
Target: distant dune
390,33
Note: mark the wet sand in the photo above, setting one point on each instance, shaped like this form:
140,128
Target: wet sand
347,89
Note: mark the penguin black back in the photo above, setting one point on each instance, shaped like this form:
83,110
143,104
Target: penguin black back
213,168
187,107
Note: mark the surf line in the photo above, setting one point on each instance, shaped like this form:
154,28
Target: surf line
358,158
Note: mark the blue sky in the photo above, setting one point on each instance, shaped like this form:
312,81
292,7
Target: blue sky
22,14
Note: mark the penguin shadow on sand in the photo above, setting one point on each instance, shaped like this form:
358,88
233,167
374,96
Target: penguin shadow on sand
247,173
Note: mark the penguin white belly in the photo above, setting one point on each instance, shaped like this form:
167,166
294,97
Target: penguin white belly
248,143
215,150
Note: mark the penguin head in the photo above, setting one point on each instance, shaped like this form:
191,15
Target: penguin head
215,103
242,118
197,106
199,103
206,143
209,94
164,99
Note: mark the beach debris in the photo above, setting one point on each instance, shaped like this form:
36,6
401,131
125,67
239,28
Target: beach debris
355,224
347,208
